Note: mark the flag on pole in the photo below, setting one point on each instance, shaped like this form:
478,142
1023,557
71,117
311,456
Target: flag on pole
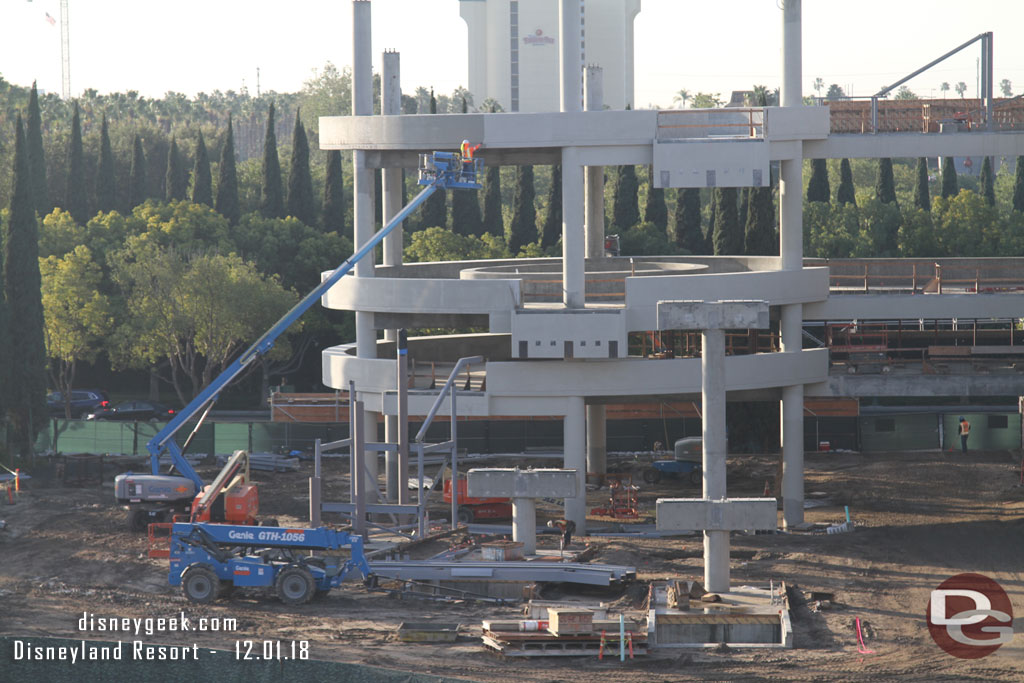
53,22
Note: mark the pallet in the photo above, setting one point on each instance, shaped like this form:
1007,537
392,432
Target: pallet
539,644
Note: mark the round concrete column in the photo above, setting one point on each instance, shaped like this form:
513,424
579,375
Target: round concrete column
524,524
573,239
593,190
792,424
716,543
570,33
597,440
576,459
391,184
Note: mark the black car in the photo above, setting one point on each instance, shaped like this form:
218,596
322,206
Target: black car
83,402
138,411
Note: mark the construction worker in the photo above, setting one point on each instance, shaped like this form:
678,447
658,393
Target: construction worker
467,150
568,527
965,430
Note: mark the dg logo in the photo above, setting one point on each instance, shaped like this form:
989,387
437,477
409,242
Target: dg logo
970,616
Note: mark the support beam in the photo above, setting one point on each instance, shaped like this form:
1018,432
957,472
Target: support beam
712,366
573,236
597,441
570,26
593,191
576,459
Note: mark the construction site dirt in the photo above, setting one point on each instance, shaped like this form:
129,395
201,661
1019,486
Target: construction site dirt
919,519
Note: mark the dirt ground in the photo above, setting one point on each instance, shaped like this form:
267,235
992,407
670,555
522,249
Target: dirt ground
920,519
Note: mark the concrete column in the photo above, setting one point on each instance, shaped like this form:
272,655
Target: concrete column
792,54
791,252
792,424
716,543
573,239
391,105
362,213
597,440
524,524
593,189
576,459
570,22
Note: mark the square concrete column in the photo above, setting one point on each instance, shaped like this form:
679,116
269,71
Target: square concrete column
523,487
574,440
597,441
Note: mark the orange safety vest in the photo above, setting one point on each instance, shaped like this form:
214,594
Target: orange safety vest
965,428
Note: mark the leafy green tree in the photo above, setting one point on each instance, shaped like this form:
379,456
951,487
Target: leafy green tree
759,231
522,229
552,229
75,198
922,196
202,179
297,252
106,196
441,244
965,225
703,100
686,225
881,225
949,188
1018,186
300,182
26,350
835,92
227,180
885,186
917,237
494,222
36,158
728,236
334,193
646,239
175,180
625,208
655,210
137,191
988,182
271,192
818,189
197,312
832,231
905,93
77,315
845,193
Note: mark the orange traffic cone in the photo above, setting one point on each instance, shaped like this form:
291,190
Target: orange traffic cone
767,489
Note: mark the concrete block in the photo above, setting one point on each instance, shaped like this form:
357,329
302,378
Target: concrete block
572,333
491,482
712,315
702,163
717,515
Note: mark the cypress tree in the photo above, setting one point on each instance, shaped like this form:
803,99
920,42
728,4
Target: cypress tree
175,180
655,210
818,189
922,197
300,182
687,230
494,222
434,211
334,190
466,218
271,193
728,237
845,194
26,374
75,200
948,178
137,177
988,182
36,159
759,233
106,198
227,180
885,186
202,179
523,227
1018,186
625,209
709,234
552,228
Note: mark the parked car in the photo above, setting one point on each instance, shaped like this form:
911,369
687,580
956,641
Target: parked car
137,411
83,402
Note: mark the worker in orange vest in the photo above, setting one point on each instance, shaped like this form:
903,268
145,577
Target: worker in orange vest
468,150
965,430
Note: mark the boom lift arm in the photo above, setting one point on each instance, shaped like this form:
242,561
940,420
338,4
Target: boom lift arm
440,170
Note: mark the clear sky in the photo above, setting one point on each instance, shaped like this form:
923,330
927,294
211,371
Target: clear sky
711,45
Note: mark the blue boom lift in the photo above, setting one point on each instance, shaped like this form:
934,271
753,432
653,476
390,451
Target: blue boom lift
155,497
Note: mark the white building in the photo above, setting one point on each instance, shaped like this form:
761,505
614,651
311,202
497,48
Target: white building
513,50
